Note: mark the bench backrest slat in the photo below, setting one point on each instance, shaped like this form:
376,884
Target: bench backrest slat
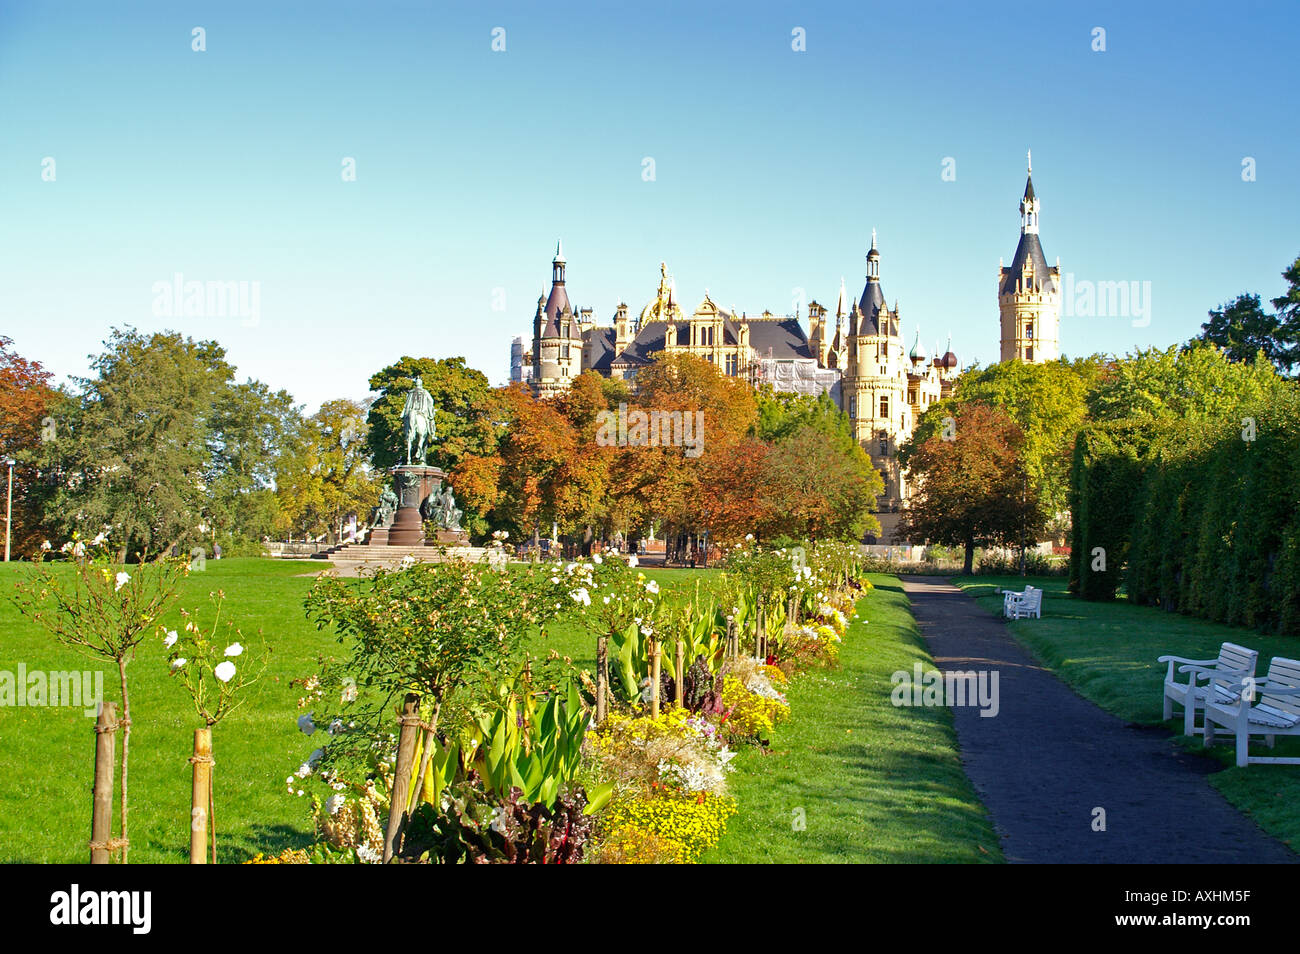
1232,656
1283,672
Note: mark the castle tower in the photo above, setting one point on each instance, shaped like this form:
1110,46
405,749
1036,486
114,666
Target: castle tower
1029,292
557,337
874,386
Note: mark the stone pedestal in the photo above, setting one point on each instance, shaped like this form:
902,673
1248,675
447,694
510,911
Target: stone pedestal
378,537
449,538
414,484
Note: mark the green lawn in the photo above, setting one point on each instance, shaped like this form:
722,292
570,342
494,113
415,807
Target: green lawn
47,754
1107,652
873,783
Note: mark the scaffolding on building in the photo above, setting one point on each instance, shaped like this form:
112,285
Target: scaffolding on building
796,376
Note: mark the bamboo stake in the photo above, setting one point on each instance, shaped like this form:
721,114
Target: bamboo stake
101,817
732,648
410,725
680,684
200,795
654,681
602,679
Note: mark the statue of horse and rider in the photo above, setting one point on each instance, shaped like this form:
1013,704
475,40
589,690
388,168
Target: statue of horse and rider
417,422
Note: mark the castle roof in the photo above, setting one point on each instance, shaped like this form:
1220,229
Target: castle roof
1029,250
872,303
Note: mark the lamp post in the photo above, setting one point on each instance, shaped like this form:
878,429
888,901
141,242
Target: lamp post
9,504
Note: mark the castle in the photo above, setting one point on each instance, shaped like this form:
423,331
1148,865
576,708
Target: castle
861,361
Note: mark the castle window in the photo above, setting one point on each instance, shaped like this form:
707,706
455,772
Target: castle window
884,406
882,443
1029,354
731,365
1029,330
853,407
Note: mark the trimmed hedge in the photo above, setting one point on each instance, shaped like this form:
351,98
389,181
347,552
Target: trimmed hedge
1205,522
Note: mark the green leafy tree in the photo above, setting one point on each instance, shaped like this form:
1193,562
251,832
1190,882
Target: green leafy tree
818,487
1242,328
326,476
465,419
135,453
1048,402
252,429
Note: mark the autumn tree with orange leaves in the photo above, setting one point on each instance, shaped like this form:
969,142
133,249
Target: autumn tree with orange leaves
972,489
27,431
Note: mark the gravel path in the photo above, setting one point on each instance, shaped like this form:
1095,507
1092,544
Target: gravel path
1049,757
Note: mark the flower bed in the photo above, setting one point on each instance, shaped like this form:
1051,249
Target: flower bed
519,759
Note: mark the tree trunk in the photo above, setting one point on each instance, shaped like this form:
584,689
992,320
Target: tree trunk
969,566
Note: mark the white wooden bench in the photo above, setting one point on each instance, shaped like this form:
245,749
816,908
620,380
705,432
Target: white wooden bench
1269,707
1019,605
1222,677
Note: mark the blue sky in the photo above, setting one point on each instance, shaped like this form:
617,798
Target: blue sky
771,166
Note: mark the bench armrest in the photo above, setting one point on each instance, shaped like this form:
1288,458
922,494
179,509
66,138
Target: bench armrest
1183,659
1229,673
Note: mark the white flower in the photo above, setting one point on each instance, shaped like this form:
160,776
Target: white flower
99,539
606,600
177,663
350,692
595,558
225,671
748,537
122,579
367,855
555,580
46,545
570,568
408,560
652,587
170,639
334,803
234,649
305,724
632,560
580,595
335,727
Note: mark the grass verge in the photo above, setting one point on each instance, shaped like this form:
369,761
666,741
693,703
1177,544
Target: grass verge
1107,653
869,781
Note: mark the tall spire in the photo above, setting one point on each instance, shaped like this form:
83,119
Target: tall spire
839,307
1029,204
873,260
557,264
